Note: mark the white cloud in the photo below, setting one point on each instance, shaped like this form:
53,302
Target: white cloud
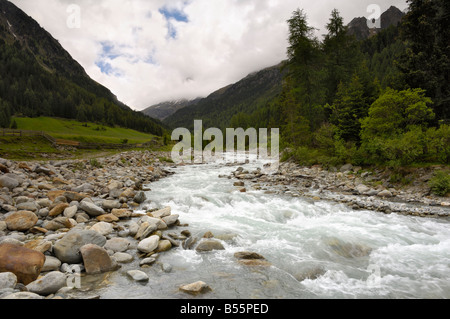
147,52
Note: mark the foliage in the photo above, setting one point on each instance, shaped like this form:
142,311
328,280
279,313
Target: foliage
426,61
440,183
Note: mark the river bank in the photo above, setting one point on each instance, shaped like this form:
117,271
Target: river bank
354,186
56,215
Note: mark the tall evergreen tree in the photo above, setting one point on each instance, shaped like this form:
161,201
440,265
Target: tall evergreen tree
342,54
426,63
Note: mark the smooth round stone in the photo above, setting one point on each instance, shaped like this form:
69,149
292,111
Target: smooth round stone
138,275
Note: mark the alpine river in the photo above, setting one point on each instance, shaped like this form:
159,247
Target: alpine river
316,249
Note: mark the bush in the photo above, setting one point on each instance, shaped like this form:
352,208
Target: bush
438,144
440,183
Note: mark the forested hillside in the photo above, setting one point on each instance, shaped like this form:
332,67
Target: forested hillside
217,110
39,78
383,100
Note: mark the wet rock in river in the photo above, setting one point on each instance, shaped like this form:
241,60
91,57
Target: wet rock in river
209,245
348,250
138,275
148,245
196,288
96,260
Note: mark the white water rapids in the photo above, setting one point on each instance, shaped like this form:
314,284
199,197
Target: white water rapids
317,249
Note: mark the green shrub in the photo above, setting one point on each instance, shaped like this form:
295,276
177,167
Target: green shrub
438,144
95,163
440,183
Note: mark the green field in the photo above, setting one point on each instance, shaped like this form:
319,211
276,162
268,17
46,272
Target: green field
82,132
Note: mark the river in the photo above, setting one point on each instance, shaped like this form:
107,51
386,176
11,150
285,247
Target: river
317,249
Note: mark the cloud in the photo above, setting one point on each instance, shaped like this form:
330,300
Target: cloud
147,52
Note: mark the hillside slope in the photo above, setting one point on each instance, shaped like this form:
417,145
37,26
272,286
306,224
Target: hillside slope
217,109
39,77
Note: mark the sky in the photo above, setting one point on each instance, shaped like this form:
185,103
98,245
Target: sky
151,51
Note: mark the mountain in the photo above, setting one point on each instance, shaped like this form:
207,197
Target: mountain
39,77
217,109
359,27
256,89
163,110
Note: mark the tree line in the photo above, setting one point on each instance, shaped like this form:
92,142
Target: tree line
384,100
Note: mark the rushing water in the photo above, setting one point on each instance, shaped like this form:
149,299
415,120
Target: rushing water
316,249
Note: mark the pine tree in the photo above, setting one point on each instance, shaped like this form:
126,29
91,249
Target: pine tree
426,63
342,54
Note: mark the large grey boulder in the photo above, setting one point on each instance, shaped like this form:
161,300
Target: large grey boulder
92,209
67,249
49,284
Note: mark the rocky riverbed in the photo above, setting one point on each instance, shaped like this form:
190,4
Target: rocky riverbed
354,186
66,221
63,219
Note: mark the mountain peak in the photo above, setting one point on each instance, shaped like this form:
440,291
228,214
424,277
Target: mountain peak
359,27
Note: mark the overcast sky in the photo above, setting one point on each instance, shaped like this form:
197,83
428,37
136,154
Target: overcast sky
150,51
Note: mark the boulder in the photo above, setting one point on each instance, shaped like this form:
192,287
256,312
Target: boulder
171,220
25,263
118,244
67,249
121,213
160,224
362,189
57,223
385,193
163,245
92,209
145,230
103,228
96,260
58,209
40,245
30,206
51,264
195,288
49,284
138,275
8,182
70,211
111,204
346,167
140,197
248,255
108,218
149,244
209,245
23,295
7,280
147,261
123,258
162,212
3,168
21,220
73,196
